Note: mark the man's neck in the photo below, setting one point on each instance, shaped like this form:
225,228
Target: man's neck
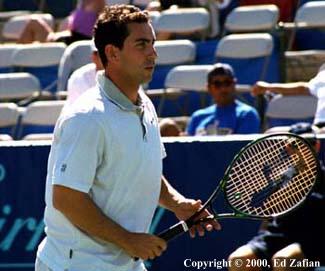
127,87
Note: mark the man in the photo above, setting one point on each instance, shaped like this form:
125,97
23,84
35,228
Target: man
315,86
105,167
227,115
83,78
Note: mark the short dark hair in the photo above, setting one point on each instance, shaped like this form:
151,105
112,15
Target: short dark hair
111,26
220,69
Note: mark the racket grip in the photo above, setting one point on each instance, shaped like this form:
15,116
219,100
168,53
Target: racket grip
174,231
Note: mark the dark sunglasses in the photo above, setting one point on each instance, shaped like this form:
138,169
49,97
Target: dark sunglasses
225,83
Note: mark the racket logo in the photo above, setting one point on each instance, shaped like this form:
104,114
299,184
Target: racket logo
260,197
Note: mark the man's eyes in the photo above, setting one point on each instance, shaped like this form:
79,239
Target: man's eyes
142,44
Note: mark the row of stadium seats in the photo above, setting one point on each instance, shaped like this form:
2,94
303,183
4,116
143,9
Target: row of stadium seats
37,120
260,18
39,117
54,61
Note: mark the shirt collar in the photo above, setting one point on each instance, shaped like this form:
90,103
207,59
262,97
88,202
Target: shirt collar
116,96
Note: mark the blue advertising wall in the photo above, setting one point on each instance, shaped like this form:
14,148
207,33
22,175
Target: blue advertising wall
193,166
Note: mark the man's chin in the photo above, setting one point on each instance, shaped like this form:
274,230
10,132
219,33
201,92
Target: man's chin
147,79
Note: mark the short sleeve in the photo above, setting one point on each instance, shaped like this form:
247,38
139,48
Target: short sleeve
78,151
317,83
312,86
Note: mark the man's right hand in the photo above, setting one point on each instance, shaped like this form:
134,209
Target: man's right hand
259,88
144,246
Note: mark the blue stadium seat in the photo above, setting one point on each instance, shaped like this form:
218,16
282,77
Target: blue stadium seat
41,60
170,54
287,110
18,86
20,5
9,115
76,55
310,26
252,56
39,117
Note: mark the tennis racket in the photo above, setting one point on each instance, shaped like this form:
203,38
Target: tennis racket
268,178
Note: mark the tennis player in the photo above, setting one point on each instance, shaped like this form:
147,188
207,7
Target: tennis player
105,167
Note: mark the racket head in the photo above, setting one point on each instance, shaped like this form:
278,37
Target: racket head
271,176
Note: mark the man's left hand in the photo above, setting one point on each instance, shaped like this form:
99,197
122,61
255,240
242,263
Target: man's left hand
187,207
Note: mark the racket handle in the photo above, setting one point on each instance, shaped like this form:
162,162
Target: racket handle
174,231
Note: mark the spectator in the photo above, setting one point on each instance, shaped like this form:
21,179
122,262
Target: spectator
81,23
169,127
227,115
83,78
315,86
292,238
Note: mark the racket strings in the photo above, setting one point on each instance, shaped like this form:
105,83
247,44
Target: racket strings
250,165
250,175
285,199
282,201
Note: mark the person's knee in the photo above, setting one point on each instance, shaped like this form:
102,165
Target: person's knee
34,23
282,259
242,255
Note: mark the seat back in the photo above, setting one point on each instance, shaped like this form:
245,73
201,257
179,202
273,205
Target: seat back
188,77
287,110
183,20
40,117
170,54
6,53
41,60
9,115
309,27
249,55
76,55
259,18
16,86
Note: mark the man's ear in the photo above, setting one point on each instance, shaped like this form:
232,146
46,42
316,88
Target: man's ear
112,53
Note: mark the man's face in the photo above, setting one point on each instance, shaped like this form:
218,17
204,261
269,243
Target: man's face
138,55
222,89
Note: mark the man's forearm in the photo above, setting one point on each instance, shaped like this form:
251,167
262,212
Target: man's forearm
297,88
81,211
169,197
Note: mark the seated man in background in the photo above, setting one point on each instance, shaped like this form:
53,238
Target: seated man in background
169,127
315,86
83,78
227,115
290,239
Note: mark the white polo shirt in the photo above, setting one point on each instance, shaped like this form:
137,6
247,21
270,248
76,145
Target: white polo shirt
111,149
317,88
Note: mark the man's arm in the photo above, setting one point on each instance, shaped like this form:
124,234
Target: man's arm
297,88
183,207
81,211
